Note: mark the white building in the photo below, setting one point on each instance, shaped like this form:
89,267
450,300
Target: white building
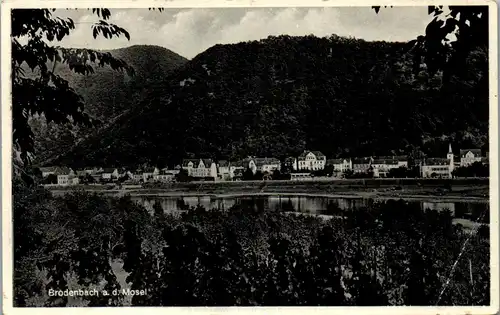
438,167
109,173
165,176
311,161
65,176
267,165
46,171
226,169
149,173
470,156
200,167
340,165
381,167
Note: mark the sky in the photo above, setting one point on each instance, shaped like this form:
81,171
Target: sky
189,32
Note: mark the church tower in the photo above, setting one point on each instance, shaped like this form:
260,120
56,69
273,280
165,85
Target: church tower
450,158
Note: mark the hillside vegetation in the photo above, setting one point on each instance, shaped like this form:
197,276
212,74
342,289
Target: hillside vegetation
280,95
107,93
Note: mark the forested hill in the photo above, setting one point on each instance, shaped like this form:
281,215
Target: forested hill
107,93
280,95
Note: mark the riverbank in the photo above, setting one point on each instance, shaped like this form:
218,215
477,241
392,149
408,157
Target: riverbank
473,190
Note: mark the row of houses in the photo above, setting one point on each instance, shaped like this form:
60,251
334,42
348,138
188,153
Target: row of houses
67,176
305,163
444,167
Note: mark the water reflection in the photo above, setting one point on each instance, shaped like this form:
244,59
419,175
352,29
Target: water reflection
305,204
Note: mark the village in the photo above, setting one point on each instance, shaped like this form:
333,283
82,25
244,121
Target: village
307,166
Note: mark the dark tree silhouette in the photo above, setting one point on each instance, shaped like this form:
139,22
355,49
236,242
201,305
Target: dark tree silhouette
437,51
43,92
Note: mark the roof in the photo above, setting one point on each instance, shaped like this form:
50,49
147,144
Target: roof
290,159
336,161
48,169
364,160
437,161
63,170
385,161
318,154
399,158
266,161
185,162
196,162
476,152
149,169
224,163
166,172
207,162
108,170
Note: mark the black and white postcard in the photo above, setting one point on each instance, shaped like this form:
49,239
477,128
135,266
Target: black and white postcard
237,156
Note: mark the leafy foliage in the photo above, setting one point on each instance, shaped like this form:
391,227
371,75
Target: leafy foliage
476,169
390,253
438,52
48,93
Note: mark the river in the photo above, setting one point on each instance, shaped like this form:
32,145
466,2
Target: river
304,204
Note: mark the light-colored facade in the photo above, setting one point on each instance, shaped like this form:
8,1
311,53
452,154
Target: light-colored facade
226,169
469,157
200,168
311,161
164,176
149,173
46,171
439,167
340,165
361,165
137,176
65,176
381,167
267,165
109,173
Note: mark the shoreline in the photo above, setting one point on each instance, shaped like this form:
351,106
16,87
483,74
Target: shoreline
352,194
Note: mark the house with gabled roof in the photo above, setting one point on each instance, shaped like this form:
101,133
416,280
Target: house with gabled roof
381,167
165,175
311,160
225,169
470,156
93,170
340,165
267,165
137,175
200,167
400,160
65,176
438,167
361,165
46,171
148,173
109,173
